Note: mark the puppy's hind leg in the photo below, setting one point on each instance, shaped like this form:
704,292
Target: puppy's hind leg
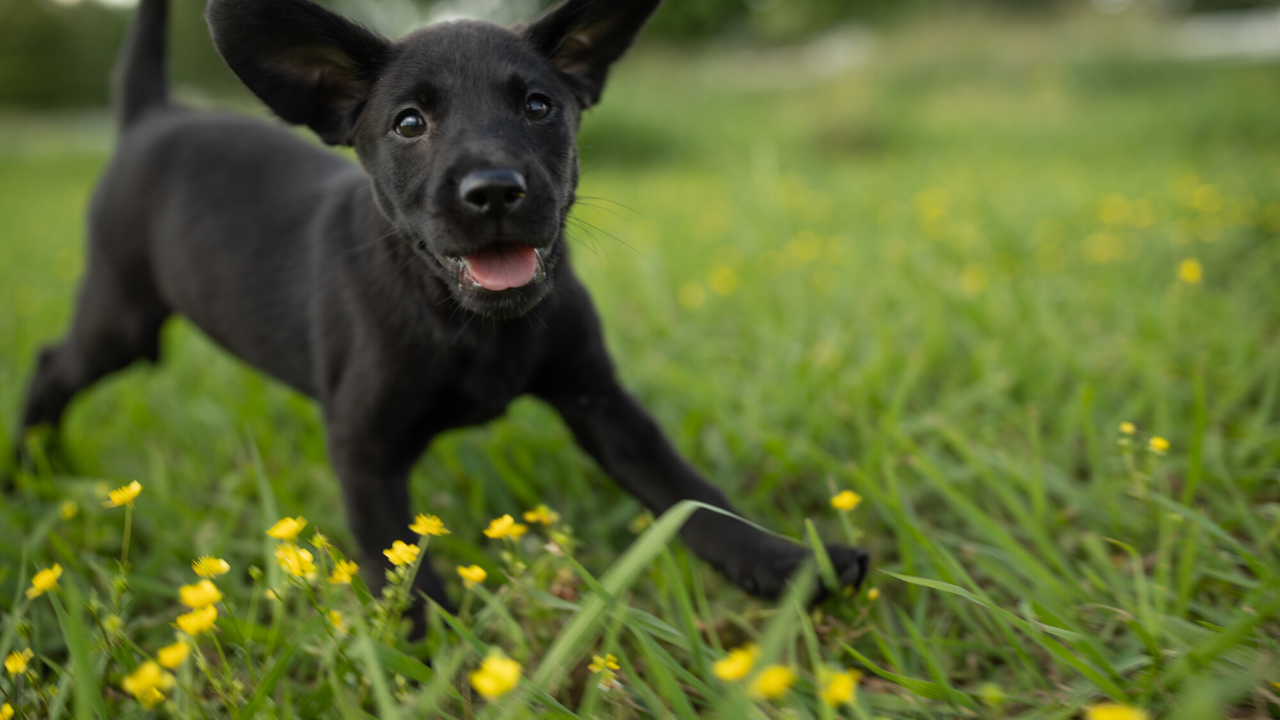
117,321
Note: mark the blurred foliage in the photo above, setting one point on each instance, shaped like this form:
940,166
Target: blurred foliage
60,54
57,55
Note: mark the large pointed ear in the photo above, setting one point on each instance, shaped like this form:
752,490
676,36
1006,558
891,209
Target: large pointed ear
582,38
311,66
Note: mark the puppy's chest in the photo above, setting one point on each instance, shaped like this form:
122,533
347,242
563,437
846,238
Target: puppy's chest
469,390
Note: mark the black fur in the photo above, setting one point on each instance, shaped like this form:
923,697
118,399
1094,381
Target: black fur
343,280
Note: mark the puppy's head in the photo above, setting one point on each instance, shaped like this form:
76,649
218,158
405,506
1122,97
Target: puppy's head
465,128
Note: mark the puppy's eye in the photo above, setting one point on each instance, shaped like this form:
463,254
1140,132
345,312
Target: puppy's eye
410,124
537,107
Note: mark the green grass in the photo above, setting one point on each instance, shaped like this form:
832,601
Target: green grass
942,279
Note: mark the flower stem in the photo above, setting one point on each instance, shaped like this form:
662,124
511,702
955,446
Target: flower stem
128,530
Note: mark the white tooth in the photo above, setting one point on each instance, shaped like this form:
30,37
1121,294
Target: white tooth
541,272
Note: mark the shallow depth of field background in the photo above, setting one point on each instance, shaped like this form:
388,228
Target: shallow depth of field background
934,256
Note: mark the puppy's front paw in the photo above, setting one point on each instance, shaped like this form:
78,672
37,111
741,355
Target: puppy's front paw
764,573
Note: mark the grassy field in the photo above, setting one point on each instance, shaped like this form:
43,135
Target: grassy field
941,279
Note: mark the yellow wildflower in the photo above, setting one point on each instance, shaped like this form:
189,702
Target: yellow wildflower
295,560
428,525
505,526
542,514
772,682
208,566
199,595
335,619
171,656
16,663
319,541
287,528
1190,271
68,509
873,594
146,682
343,571
840,687
401,553
601,664
737,664
1111,711
123,495
151,698
198,621
44,581
6,712
1158,445
1127,428
496,676
472,576
846,500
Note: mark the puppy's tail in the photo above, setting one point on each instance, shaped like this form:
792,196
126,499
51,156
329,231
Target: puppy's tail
140,76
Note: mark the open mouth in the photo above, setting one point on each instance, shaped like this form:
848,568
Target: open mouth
498,268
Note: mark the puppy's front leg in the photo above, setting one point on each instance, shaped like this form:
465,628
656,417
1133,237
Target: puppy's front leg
374,475
612,427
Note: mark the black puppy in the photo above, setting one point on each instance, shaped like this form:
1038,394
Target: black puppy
394,292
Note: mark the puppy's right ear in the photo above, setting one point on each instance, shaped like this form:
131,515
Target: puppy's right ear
311,66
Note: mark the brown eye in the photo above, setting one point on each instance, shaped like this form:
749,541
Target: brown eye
410,124
537,107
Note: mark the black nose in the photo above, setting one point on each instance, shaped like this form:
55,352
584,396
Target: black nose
492,192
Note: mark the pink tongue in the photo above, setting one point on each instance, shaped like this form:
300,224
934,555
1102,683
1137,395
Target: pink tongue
504,267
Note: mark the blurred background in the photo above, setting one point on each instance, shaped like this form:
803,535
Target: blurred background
56,53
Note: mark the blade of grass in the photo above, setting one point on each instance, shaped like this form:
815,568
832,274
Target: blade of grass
88,698
388,709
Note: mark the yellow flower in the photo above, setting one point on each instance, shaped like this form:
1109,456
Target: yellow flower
287,528
1190,271
737,664
171,656
199,595
1111,711
542,514
44,581
428,525
1127,428
772,682
335,619
319,541
146,682
123,495
151,698
68,509
6,712
846,500
505,526
601,664
208,566
496,676
198,621
873,594
472,576
295,560
16,663
1158,445
401,553
841,687
343,571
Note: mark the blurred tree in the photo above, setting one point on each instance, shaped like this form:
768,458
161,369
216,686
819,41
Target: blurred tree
57,56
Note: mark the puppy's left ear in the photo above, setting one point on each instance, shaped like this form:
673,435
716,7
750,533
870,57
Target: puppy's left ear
582,38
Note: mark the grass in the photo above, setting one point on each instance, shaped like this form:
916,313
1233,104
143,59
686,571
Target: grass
941,279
